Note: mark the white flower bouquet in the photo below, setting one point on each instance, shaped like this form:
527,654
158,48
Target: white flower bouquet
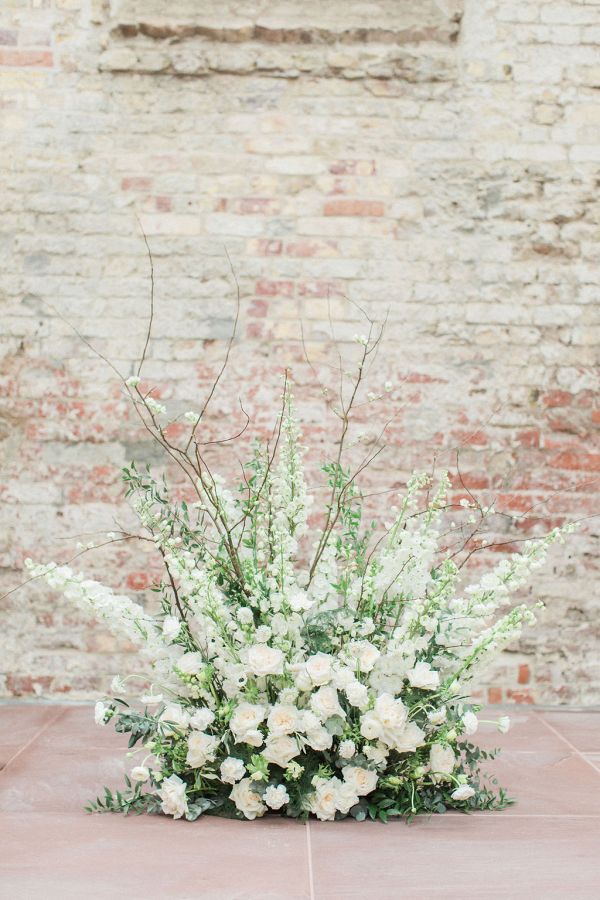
296,670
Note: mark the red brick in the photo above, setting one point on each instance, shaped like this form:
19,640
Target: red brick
523,697
266,288
264,247
494,695
42,58
311,248
138,581
354,208
136,183
557,398
352,167
163,204
576,459
524,675
316,289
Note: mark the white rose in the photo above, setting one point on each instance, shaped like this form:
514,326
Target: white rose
503,724
190,663
345,797
362,781
139,773
424,677
409,738
302,680
248,803
246,718
347,749
202,718
283,719
171,628
342,677
442,762
319,739
357,694
325,703
463,792
232,770
172,793
100,713
276,797
319,668
470,722
262,634
177,717
364,653
323,801
202,748
280,750
263,660
438,716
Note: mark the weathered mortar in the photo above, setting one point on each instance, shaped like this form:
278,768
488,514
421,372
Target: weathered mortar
435,160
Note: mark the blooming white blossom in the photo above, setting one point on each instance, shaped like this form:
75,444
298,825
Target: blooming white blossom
283,719
424,677
264,660
246,800
470,722
362,781
172,792
504,724
139,773
347,749
100,711
442,761
202,748
232,770
246,718
276,797
463,792
175,718
320,668
325,703
280,750
171,628
201,719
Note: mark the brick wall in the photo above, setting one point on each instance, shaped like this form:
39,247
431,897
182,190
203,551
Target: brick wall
437,160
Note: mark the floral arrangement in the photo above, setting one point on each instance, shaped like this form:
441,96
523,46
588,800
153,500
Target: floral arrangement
300,670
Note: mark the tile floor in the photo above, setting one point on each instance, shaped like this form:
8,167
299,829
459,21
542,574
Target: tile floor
53,759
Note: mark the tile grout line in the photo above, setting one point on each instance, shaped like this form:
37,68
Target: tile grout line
566,741
33,739
311,883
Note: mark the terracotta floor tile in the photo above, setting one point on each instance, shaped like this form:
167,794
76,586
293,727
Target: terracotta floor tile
20,723
526,731
551,783
582,729
77,728
80,857
453,857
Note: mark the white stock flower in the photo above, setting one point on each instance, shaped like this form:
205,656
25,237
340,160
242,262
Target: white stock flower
283,719
202,718
202,748
464,792
503,724
362,781
171,628
470,722
300,601
280,750
246,800
232,770
276,797
140,774
172,792
347,749
100,710
424,677
319,668
263,660
442,762
325,703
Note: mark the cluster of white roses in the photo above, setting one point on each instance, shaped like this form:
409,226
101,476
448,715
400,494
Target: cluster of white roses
328,688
